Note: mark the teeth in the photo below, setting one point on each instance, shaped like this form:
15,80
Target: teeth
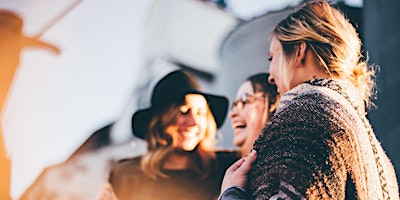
240,126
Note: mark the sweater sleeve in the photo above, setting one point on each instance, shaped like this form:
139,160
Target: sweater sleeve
234,193
296,153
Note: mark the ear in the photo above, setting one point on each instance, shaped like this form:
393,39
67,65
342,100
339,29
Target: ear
301,54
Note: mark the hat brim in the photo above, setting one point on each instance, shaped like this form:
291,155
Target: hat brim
141,121
218,106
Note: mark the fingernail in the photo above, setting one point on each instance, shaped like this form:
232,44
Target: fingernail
253,152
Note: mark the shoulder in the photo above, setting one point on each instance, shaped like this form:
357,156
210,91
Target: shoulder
126,166
322,95
315,113
129,161
309,117
309,102
126,176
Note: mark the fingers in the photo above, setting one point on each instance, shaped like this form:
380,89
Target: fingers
236,165
236,174
245,166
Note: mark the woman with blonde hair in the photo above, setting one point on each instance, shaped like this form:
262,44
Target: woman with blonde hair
180,130
319,144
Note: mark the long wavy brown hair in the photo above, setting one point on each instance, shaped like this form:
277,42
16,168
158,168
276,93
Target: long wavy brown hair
160,144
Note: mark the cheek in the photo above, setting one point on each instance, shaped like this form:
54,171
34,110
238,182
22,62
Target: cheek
256,122
172,131
255,118
178,121
273,69
202,123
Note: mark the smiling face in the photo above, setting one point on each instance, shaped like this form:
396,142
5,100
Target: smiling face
190,125
248,120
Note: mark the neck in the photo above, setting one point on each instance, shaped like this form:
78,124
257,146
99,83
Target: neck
308,70
318,74
178,160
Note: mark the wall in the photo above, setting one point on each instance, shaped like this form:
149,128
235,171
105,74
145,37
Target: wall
381,40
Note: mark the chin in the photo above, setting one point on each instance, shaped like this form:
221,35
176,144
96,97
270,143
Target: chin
245,151
188,147
238,143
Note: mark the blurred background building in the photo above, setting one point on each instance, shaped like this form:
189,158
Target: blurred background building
68,116
381,26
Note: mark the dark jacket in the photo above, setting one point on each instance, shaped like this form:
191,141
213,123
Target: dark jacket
129,181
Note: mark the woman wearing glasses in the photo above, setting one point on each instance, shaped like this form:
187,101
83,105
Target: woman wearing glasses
256,100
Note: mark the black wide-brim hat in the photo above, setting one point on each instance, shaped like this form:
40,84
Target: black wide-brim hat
172,88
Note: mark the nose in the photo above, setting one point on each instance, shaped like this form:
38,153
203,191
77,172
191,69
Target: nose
233,113
191,120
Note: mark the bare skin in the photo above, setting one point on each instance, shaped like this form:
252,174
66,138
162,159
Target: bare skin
236,174
248,121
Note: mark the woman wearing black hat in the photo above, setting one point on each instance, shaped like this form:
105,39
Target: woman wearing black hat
180,129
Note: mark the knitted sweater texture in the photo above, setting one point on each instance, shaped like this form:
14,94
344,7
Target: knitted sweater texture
320,145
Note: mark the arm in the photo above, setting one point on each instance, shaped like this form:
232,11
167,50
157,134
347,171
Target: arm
233,193
235,179
299,153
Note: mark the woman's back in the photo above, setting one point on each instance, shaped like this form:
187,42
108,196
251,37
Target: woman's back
320,145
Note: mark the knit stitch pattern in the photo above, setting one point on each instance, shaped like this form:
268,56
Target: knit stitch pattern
320,145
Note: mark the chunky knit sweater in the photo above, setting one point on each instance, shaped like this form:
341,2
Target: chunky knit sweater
320,145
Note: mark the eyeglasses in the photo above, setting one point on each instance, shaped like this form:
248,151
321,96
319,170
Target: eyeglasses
246,99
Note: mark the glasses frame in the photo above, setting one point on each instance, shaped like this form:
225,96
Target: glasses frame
247,99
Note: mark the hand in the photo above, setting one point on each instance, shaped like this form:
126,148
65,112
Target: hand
236,174
106,192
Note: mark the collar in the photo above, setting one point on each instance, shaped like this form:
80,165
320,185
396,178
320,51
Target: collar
344,88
